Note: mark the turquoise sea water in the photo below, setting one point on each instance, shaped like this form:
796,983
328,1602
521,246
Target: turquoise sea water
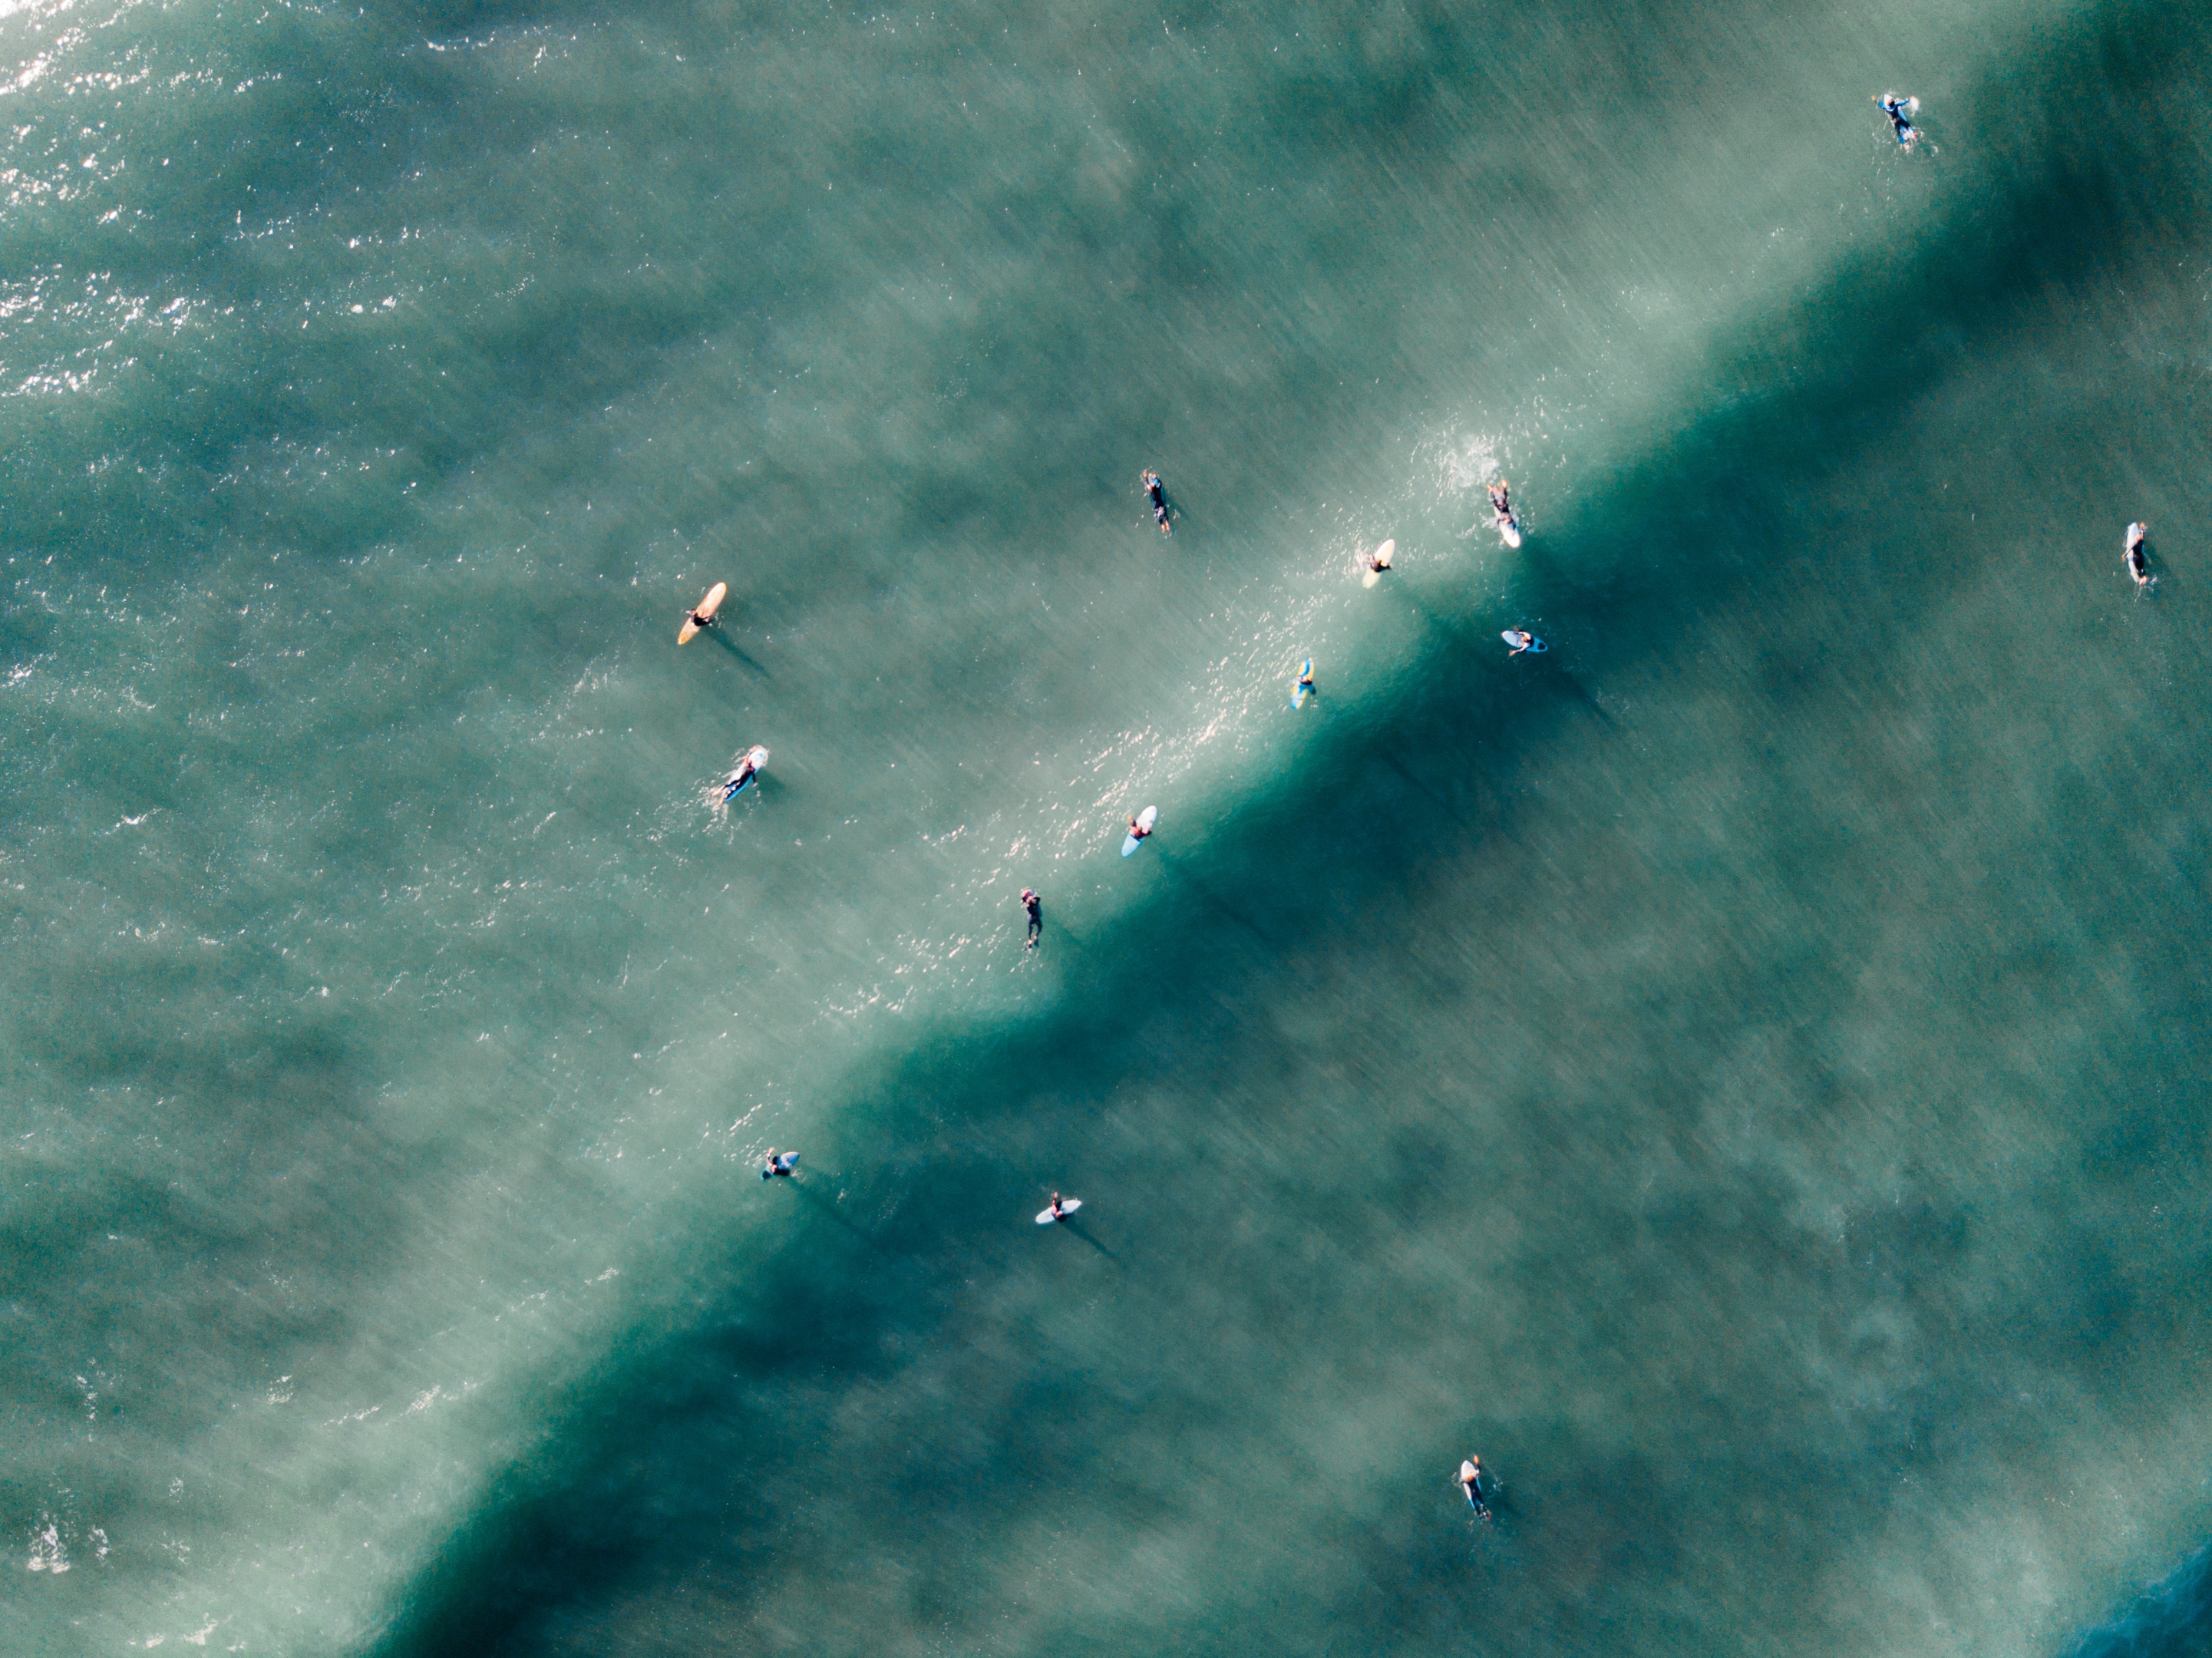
1739,1072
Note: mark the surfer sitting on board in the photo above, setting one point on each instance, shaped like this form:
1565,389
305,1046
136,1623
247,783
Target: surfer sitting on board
778,1166
702,619
1137,831
2138,567
1470,1481
1156,493
1901,112
1379,560
1520,639
1035,905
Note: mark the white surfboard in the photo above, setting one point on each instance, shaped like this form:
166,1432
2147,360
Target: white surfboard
1379,562
1512,636
1509,532
1146,819
1067,1206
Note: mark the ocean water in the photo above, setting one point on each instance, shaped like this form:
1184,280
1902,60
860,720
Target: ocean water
1740,1071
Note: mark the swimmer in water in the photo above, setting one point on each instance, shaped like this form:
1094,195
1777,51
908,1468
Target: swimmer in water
1035,906
1470,1481
775,1166
1136,830
1156,493
748,768
1521,639
1901,112
2138,567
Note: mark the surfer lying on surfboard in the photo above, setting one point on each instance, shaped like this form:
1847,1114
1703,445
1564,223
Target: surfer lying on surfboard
748,768
1901,112
1035,905
1470,1481
2138,567
1501,503
1156,493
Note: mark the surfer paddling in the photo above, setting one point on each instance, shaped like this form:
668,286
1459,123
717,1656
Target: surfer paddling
748,769
2138,565
1501,504
1157,493
1520,639
1035,906
1470,1482
1901,112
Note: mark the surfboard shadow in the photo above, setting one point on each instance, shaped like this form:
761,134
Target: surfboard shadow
1214,898
827,1207
734,649
1068,1223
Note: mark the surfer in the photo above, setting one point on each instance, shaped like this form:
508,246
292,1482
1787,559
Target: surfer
1035,906
1305,677
1057,1209
778,1166
1520,639
1901,112
1156,493
1137,831
702,619
2138,567
748,768
1500,503
1470,1481
1379,560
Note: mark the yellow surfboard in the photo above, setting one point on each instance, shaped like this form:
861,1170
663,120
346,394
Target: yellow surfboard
708,606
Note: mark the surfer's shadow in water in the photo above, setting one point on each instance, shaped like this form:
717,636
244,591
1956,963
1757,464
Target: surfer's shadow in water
734,649
1069,1224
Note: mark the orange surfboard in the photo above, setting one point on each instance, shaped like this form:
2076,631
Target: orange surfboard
708,606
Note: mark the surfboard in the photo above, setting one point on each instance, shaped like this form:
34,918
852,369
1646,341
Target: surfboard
1068,1206
708,606
1146,819
1534,645
1298,691
1508,533
1380,561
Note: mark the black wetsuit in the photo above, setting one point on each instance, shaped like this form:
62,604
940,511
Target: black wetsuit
1036,907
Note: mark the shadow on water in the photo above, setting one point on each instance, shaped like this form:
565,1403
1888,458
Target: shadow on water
1798,400
1077,1229
722,638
